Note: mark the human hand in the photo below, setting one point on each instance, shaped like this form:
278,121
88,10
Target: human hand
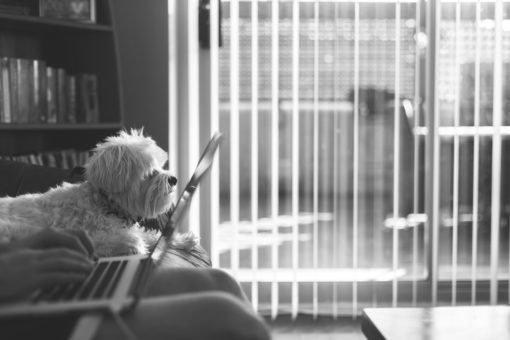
24,271
44,259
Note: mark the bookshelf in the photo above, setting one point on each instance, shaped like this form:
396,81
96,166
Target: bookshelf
78,48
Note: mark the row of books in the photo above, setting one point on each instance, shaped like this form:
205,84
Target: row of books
79,10
64,159
19,7
33,92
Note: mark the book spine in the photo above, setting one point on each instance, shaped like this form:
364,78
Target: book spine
61,96
14,88
42,107
44,158
71,98
91,99
32,92
63,159
19,7
74,159
38,156
80,10
6,91
32,158
2,109
81,158
51,94
23,90
52,161
80,99
36,99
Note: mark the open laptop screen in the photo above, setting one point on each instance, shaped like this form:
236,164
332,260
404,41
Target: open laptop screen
203,166
161,247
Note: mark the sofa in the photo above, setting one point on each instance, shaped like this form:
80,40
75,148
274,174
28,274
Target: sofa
17,178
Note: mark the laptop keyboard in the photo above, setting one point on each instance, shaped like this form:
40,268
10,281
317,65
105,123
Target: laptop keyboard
100,283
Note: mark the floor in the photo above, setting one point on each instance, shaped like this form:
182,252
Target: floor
305,327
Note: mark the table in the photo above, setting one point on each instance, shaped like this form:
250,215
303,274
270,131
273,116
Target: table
437,323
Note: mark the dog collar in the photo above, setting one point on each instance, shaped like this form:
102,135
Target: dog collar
115,209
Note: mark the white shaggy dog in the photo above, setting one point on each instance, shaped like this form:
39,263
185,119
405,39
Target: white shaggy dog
125,182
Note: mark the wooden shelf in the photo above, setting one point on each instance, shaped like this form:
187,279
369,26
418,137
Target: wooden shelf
26,22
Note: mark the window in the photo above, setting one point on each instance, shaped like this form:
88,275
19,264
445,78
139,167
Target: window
339,185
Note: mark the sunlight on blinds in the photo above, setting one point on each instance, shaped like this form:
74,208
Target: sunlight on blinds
364,149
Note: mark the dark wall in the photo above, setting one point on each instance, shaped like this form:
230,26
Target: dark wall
142,35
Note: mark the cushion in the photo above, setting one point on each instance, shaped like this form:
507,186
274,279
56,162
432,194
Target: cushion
17,178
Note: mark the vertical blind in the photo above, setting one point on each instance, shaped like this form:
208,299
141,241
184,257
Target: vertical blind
364,152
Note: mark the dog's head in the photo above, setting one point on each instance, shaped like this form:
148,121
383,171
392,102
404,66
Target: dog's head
128,167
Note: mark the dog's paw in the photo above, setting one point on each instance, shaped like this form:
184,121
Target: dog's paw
185,241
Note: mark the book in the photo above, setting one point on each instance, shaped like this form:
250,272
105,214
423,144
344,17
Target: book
33,92
37,102
90,98
82,158
22,86
71,98
63,158
52,161
44,158
1,101
61,96
13,88
23,67
6,91
19,7
32,158
51,95
2,108
80,99
38,157
57,159
78,10
31,116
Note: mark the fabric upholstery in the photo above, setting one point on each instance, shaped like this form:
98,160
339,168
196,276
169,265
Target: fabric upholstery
18,178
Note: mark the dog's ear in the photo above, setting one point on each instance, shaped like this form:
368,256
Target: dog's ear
112,168
137,132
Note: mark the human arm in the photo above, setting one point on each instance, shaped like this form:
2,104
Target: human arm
76,240
42,260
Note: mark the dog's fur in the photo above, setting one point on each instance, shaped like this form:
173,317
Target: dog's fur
125,182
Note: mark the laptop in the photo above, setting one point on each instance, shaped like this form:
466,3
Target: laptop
116,283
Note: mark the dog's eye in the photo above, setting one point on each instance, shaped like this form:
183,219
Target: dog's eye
152,173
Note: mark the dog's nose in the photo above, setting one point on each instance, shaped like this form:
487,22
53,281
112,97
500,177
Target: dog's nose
172,180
